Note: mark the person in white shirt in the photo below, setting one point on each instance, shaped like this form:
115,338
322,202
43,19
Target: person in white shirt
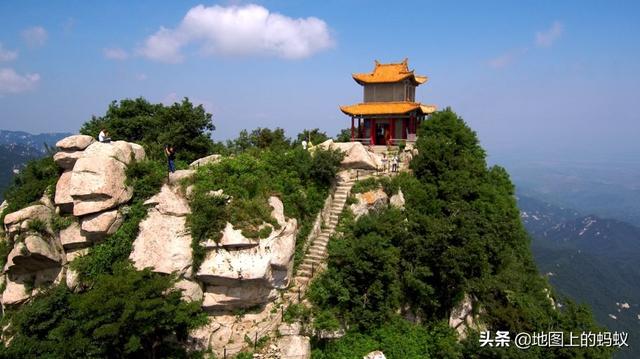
304,144
104,136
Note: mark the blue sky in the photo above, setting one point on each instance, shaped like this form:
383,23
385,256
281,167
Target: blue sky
548,77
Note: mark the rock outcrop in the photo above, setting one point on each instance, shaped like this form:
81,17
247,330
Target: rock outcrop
375,355
92,188
241,272
368,201
164,243
463,317
356,155
206,161
397,200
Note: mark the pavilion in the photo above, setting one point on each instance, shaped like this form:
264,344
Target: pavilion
389,113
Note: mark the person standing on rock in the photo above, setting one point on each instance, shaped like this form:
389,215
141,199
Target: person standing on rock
394,164
170,152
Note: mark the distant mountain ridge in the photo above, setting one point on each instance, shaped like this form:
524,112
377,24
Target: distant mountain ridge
38,142
590,259
18,147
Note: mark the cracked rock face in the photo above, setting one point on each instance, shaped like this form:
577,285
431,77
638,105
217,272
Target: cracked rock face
98,184
163,242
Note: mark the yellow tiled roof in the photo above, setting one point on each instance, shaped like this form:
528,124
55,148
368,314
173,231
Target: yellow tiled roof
387,73
386,108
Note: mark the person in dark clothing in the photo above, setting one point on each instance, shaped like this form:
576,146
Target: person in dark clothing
170,152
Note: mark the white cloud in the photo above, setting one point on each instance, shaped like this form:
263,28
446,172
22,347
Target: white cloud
239,31
35,36
115,53
12,82
141,76
547,37
7,55
506,59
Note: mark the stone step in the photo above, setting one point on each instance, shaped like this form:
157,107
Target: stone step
303,279
320,243
307,267
316,251
319,247
317,257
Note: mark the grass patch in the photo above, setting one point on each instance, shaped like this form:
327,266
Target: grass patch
300,180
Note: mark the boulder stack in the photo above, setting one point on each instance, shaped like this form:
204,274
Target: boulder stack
92,189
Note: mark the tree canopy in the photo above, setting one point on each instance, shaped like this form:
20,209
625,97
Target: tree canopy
185,126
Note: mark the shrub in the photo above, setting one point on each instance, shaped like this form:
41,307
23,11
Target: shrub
38,226
28,186
298,179
59,223
126,314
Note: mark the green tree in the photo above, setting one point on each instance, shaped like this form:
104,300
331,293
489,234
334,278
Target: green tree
315,136
344,135
185,126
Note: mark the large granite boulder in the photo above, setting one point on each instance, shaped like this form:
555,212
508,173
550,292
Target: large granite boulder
170,201
97,226
231,238
243,295
138,152
206,161
19,221
32,255
246,275
294,347
191,291
368,201
71,149
118,150
75,143
98,183
16,289
63,197
356,155
163,243
397,200
66,160
176,177
72,238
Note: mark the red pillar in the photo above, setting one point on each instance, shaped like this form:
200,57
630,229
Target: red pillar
352,129
404,128
372,131
392,129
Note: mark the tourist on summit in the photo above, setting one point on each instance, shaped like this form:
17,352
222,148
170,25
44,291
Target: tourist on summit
170,152
304,145
384,162
394,163
103,136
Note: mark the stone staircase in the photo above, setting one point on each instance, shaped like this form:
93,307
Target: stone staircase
314,258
